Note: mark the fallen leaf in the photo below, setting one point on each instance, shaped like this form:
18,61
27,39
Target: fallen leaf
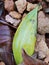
6,45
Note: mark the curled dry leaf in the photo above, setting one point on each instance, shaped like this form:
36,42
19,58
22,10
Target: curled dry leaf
6,44
5,37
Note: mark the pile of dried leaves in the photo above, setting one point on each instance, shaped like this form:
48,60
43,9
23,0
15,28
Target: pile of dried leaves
11,14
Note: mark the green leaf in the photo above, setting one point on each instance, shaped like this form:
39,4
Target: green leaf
25,36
